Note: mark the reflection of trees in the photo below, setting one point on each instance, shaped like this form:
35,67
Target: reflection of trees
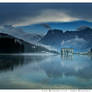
11,62
8,62
52,65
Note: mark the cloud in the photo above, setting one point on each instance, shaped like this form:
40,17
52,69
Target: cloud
76,43
50,15
31,13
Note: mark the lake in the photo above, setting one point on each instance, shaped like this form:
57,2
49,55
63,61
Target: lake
45,71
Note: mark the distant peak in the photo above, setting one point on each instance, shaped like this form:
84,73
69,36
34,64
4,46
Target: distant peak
8,26
55,30
83,28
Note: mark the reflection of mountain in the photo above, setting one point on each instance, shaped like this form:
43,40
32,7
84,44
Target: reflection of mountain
49,70
58,68
79,39
11,62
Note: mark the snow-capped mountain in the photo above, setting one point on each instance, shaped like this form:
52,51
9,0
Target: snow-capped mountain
19,33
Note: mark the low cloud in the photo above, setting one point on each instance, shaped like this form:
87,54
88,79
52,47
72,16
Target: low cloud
76,43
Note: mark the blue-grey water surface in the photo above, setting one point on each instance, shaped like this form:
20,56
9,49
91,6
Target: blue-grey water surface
45,71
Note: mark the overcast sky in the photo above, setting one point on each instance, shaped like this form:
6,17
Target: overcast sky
29,13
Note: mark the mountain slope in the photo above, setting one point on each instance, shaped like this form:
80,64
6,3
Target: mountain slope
19,33
14,40
79,40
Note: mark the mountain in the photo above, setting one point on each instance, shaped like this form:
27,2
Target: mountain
32,37
72,25
80,39
19,33
53,37
38,28
14,40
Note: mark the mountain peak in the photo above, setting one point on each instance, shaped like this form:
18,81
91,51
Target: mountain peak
83,28
8,26
54,31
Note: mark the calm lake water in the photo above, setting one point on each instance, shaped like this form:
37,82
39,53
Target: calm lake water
45,71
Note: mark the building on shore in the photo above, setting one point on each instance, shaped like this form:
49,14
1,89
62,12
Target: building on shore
67,51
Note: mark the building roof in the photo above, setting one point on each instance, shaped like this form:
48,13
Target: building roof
66,48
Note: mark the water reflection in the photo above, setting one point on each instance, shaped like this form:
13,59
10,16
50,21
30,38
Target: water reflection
76,66
67,57
8,62
49,71
11,62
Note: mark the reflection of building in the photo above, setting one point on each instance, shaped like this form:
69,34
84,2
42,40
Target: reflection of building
66,51
67,57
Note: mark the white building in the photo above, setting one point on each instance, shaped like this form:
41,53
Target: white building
66,51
